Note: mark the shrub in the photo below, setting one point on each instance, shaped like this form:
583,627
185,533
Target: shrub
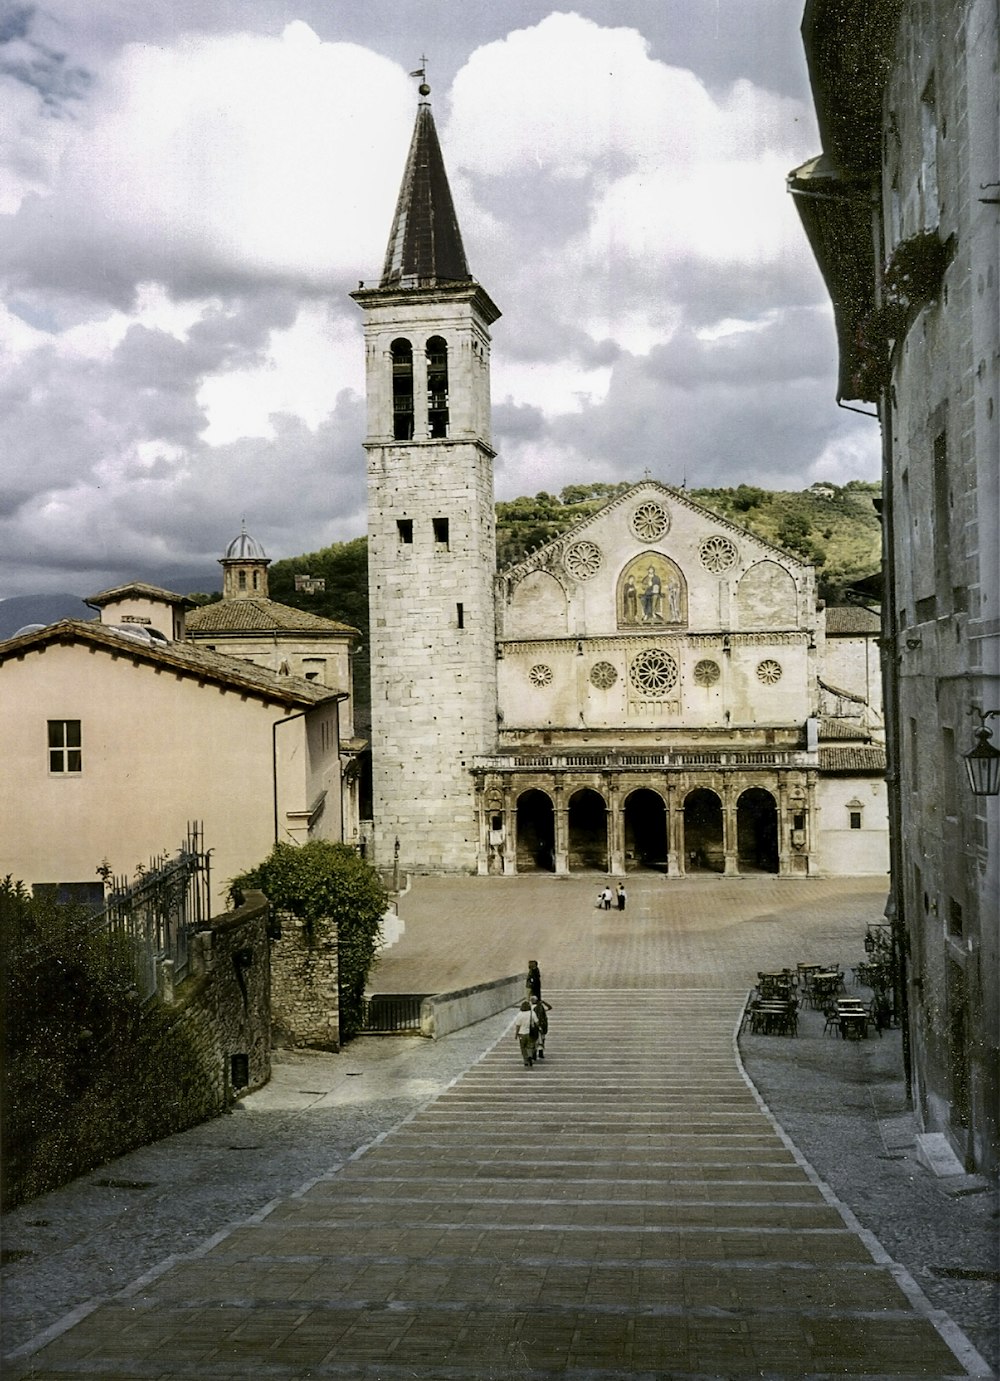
328,886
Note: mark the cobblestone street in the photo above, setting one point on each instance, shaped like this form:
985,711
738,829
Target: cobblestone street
628,1207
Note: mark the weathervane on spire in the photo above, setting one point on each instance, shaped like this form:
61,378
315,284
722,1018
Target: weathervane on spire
421,72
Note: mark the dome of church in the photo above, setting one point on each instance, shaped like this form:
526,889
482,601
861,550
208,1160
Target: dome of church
245,548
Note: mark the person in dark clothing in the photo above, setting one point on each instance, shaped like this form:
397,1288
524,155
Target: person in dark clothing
622,896
541,1009
533,982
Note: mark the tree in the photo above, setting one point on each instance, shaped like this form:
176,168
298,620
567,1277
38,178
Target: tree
328,887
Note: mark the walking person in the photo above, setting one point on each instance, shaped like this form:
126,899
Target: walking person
526,1033
541,1008
622,896
533,982
606,898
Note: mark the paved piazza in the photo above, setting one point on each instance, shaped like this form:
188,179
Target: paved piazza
628,1208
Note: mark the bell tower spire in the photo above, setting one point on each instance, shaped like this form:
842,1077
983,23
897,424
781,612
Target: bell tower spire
431,524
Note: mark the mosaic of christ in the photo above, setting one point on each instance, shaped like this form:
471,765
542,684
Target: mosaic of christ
651,593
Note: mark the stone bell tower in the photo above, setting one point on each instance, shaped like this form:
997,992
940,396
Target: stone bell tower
431,525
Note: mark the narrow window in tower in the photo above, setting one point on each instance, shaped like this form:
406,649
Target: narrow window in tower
242,582
437,386
402,389
460,615
404,526
440,531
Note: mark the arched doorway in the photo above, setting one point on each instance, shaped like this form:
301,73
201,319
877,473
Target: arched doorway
536,833
588,832
757,831
645,831
703,847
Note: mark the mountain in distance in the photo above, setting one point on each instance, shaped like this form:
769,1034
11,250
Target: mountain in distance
20,610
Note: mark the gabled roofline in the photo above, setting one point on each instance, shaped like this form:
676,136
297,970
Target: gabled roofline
182,659
536,558
140,588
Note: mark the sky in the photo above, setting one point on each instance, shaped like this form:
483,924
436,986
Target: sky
189,189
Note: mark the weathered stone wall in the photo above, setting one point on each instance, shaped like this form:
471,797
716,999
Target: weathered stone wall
305,974
136,1073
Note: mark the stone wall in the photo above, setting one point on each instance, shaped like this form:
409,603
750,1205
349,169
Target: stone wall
305,974
121,1073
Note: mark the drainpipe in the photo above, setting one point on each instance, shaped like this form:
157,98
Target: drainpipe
274,760
896,904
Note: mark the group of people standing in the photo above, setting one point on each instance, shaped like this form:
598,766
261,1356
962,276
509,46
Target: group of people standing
604,897
532,1024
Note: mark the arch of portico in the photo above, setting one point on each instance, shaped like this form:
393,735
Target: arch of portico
569,818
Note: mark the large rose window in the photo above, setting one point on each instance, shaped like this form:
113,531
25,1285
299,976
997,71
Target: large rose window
654,672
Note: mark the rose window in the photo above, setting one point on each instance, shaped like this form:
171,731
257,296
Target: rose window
717,553
603,675
540,674
583,559
707,673
650,521
654,672
769,671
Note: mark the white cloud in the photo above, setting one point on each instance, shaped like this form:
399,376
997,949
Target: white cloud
184,222
306,364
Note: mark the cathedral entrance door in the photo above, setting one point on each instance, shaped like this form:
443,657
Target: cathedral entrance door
757,831
588,832
703,847
536,833
645,831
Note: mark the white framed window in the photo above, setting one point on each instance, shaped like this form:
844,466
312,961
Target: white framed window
65,746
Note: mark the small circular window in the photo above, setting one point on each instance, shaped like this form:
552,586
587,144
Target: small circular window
583,559
540,674
717,553
769,671
603,675
650,521
707,673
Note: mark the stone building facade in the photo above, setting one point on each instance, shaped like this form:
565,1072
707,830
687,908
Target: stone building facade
902,212
247,624
659,684
644,691
431,526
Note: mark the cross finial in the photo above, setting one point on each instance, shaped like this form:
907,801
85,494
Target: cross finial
421,72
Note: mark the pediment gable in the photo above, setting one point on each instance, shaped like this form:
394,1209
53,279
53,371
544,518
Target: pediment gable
569,553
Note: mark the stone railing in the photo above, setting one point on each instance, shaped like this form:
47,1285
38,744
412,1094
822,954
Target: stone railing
624,760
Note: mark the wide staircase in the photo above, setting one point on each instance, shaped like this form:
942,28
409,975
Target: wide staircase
623,1209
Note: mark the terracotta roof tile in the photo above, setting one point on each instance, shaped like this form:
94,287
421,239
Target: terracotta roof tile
261,616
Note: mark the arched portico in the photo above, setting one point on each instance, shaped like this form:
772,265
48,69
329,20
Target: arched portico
645,831
588,832
536,833
704,850
757,831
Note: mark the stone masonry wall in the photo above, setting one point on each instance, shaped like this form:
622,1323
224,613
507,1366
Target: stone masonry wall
305,975
144,1071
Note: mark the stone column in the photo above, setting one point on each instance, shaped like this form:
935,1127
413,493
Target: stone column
675,830
730,832
616,826
508,854
784,829
482,814
561,822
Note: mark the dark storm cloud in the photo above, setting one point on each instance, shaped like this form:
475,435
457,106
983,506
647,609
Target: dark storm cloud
26,59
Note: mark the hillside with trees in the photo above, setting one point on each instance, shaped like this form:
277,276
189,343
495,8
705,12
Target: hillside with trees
834,527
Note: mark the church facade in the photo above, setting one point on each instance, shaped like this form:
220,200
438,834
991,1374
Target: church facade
652,689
